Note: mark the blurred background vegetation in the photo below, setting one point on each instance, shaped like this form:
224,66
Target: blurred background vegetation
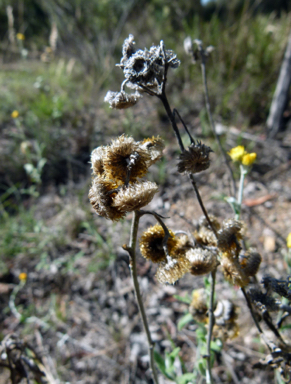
58,61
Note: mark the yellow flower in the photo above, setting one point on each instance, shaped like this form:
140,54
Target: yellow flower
249,158
289,240
20,36
14,114
237,153
22,276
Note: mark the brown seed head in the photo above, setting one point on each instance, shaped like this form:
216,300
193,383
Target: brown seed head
228,238
205,235
202,261
102,200
198,307
154,146
233,272
172,269
250,262
121,100
97,161
123,155
195,159
151,244
135,196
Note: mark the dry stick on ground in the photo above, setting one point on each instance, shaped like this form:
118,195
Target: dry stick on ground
131,249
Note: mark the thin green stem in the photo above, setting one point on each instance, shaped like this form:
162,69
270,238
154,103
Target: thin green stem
207,103
131,250
240,191
209,379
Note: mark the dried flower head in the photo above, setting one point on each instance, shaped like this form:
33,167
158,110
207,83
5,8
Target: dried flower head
97,156
229,236
121,100
202,261
124,155
151,244
233,272
198,307
225,312
195,159
135,196
205,236
263,301
250,262
154,146
184,244
282,287
144,69
128,48
101,198
172,269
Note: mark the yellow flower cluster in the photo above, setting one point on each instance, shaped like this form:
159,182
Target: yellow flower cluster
239,154
288,240
20,36
15,114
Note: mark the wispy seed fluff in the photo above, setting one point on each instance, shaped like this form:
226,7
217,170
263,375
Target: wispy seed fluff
205,235
172,266
135,196
121,100
229,236
151,244
250,262
154,146
202,261
102,200
195,159
123,155
233,272
198,307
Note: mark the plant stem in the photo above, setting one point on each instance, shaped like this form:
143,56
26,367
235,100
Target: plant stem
209,379
240,191
131,250
171,117
207,103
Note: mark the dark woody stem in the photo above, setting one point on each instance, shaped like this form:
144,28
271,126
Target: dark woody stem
132,254
171,116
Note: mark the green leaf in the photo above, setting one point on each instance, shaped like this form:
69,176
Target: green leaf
201,365
216,346
161,365
184,320
185,299
186,378
175,353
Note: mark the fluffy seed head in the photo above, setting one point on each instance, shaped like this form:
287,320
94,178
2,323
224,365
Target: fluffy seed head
233,272
205,236
202,261
172,269
151,244
128,48
101,199
250,262
135,196
198,307
195,159
229,236
123,155
97,156
121,100
154,146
